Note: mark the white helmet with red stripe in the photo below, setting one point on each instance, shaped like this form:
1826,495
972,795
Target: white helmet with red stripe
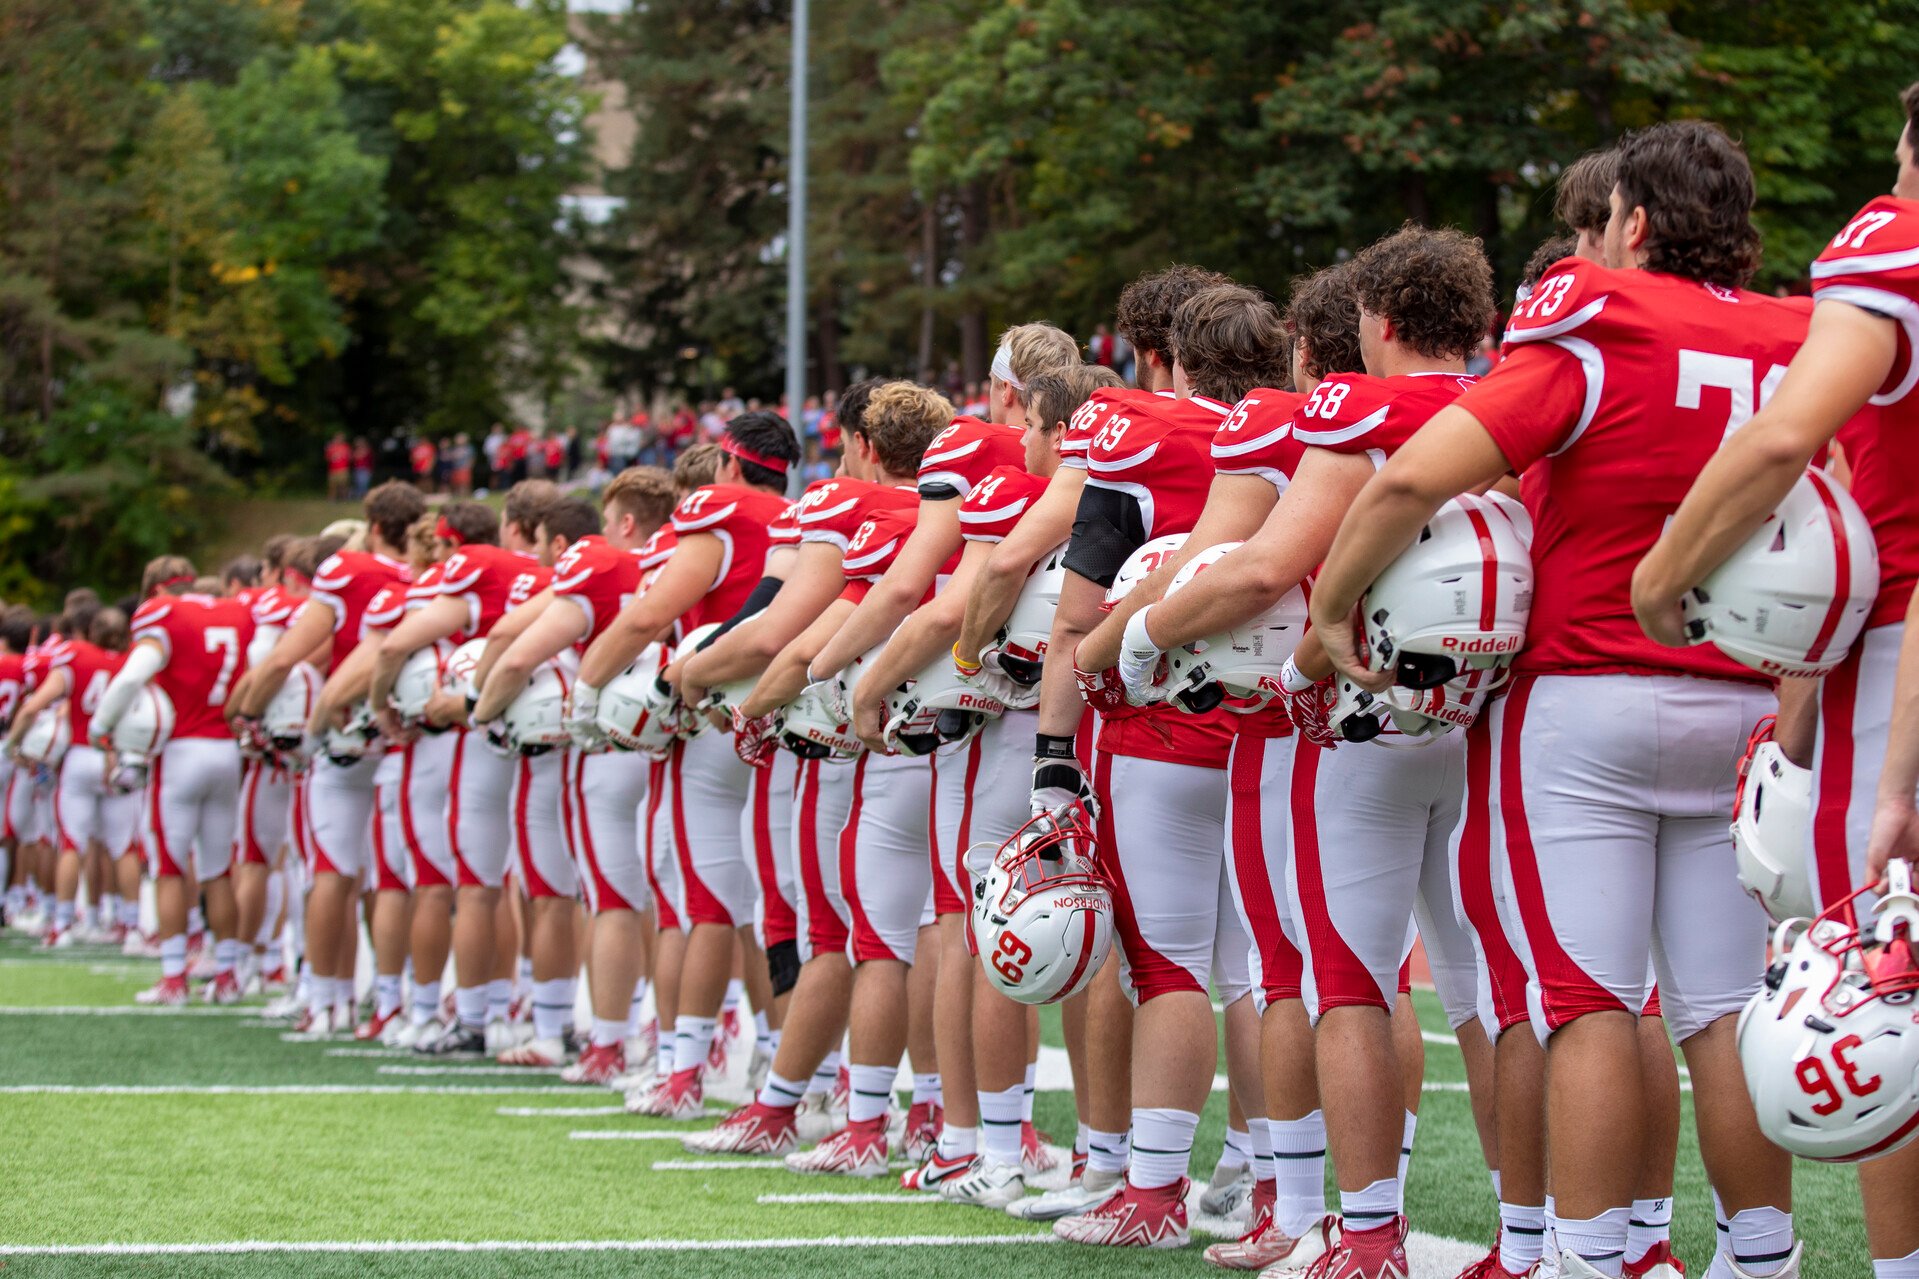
811,728
285,720
46,740
141,735
1772,828
1796,594
936,707
1141,562
1458,598
535,721
1830,1044
636,711
1043,912
1023,636
1243,662
418,680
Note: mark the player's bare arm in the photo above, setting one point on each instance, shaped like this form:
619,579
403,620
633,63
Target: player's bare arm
786,677
1847,354
1000,579
549,633
685,578
921,639
508,629
342,689
436,621
935,537
751,646
310,631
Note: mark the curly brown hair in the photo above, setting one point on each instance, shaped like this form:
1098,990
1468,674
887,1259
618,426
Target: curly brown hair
1560,246
1229,339
1146,306
1584,199
1323,316
1695,185
1434,285
900,420
391,508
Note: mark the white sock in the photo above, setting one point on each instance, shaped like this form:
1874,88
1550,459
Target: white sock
635,1008
872,1092
1757,1240
607,1033
63,915
196,919
1237,1153
828,1075
1162,1146
926,1088
762,1033
426,1003
1082,1138
553,1006
1371,1208
999,1124
735,991
470,1005
781,1093
225,955
957,1142
525,977
1406,1133
1299,1172
1032,1080
130,913
386,994
173,955
1105,1151
1261,1138
1522,1236
663,1057
1649,1226
1599,1241
1906,1267
499,998
692,1037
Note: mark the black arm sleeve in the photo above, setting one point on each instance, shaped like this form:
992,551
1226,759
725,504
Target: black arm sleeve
1106,529
755,603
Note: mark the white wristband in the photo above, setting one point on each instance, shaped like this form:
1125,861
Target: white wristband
1292,680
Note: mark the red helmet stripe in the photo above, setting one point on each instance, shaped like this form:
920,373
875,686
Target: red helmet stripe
1085,950
1842,554
1488,566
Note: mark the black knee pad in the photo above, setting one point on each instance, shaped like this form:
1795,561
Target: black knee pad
783,965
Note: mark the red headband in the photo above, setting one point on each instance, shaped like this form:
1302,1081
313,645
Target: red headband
188,578
447,533
730,445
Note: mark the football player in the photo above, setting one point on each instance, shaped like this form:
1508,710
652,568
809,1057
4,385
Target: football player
1858,352
1615,758
192,647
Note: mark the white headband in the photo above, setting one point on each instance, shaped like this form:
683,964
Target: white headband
1003,367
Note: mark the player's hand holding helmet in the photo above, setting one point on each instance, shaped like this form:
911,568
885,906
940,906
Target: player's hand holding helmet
1243,663
139,737
534,722
1043,912
1458,598
1058,779
1772,828
636,711
1796,594
1011,664
1830,1044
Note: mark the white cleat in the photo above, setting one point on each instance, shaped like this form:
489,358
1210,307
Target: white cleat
1229,1194
535,1052
986,1185
1068,1201
502,1036
818,1118
402,1033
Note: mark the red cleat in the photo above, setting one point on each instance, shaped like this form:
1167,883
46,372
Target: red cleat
922,1132
1379,1253
374,1026
753,1129
599,1064
1132,1218
168,992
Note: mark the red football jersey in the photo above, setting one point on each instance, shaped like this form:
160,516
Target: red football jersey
1257,437
785,530
13,679
89,670
657,549
491,581
964,454
1157,449
1076,441
598,578
40,659
204,639
832,510
275,606
345,584
1873,264
875,545
1356,413
997,502
1618,386
740,517
425,587
384,610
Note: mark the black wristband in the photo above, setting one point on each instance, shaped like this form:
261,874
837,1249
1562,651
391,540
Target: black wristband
472,701
1051,746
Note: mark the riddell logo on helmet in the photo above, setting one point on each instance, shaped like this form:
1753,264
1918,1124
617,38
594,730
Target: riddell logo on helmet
1487,644
978,702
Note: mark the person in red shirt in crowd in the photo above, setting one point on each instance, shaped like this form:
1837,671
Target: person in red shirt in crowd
362,466
192,648
555,451
426,462
339,468
518,447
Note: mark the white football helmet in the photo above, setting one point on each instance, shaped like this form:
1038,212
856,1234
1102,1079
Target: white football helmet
1043,912
419,679
1357,715
936,707
1772,828
535,721
46,740
636,710
1022,638
1830,1044
460,665
811,728
285,720
1140,563
685,721
1795,595
140,736
348,743
1458,598
1242,663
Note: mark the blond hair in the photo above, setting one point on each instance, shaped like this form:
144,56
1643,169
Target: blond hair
1036,349
644,492
901,420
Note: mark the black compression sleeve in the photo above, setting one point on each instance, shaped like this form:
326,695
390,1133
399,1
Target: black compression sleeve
1107,528
755,603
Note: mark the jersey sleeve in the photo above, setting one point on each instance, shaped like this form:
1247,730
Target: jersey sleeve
152,621
705,510
829,512
1257,438
785,530
384,610
876,543
1873,264
331,582
1076,441
998,502
1346,413
961,456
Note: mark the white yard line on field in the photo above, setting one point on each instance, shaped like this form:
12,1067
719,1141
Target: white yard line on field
126,1010
288,1090
629,1134
522,1071
715,1165
558,1112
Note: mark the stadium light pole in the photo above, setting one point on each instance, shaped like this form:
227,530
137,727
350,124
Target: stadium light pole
796,245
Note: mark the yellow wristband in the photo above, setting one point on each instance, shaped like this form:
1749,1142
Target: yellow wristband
966,665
